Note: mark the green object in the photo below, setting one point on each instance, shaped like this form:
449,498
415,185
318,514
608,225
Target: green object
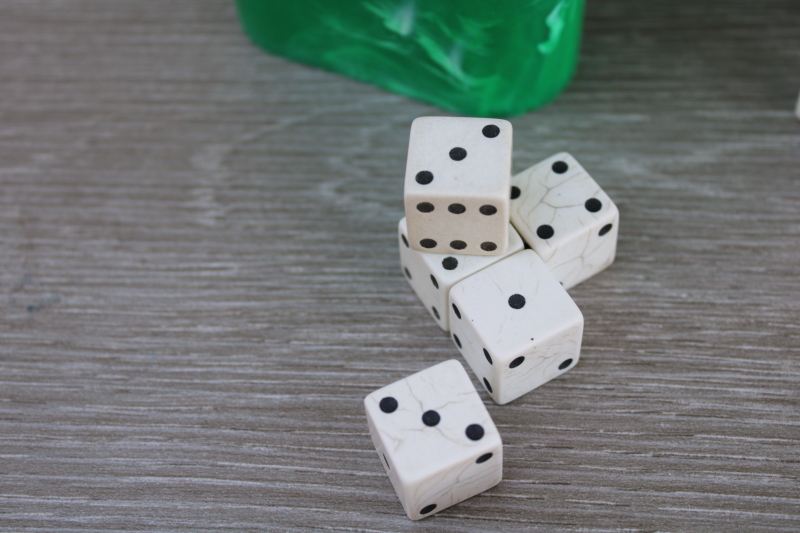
474,57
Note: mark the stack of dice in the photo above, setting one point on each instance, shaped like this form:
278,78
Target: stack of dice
491,257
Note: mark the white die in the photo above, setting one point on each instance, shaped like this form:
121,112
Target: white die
435,439
515,325
458,176
432,275
564,215
797,107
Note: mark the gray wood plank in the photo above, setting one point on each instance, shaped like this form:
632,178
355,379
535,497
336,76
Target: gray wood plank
200,282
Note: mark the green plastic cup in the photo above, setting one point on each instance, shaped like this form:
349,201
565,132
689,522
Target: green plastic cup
473,57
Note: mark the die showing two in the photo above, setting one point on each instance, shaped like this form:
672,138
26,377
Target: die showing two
507,308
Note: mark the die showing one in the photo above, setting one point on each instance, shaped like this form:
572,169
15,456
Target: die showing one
515,325
435,439
564,215
458,175
432,275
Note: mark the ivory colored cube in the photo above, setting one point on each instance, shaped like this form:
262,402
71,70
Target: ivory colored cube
564,215
435,439
432,275
515,325
797,107
457,180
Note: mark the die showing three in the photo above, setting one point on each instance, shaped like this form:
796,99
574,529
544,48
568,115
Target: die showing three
437,442
565,217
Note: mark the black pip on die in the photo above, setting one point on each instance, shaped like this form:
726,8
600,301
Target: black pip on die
435,439
564,215
515,325
432,275
456,185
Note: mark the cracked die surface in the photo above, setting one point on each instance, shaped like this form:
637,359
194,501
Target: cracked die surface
433,459
564,215
518,326
458,175
433,275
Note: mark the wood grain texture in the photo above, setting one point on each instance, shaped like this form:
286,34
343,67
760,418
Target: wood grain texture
199,280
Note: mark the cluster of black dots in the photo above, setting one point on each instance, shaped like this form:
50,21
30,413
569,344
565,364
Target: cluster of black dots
593,205
425,177
432,418
515,301
487,246
448,263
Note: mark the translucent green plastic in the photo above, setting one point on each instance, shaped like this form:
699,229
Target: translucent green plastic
474,57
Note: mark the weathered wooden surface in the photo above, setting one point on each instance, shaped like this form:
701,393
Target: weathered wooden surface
200,283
